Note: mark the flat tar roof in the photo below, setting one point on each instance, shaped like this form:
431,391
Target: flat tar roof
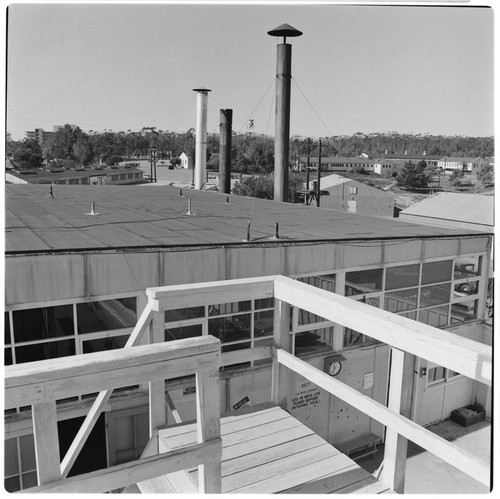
135,217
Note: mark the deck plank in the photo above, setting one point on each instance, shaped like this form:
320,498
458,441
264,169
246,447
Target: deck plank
266,450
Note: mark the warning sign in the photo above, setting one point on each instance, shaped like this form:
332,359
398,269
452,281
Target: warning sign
244,402
306,398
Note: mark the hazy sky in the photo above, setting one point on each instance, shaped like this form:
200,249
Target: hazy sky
355,68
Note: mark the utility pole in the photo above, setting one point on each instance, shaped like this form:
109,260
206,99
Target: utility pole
307,164
318,187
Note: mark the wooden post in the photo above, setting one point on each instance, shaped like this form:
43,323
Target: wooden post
396,446
281,339
46,442
157,403
208,428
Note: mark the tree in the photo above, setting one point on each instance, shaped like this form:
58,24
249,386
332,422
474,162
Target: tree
82,150
28,155
486,174
262,186
413,176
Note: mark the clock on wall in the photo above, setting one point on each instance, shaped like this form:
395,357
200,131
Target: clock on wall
333,364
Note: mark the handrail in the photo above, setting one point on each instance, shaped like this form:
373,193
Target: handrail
454,352
41,383
460,458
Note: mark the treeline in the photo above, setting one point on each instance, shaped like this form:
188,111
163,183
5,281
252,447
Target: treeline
250,152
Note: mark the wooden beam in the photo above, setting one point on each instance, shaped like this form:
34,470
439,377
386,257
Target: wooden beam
208,428
468,357
135,471
281,340
157,407
460,458
53,379
246,355
396,446
208,293
102,398
46,442
173,409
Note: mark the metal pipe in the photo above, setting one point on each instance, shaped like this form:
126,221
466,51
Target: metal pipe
226,119
318,187
282,127
201,138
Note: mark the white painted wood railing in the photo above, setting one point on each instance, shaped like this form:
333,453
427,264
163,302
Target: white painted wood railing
406,337
40,384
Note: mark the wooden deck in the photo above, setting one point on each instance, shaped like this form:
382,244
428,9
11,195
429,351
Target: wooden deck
267,451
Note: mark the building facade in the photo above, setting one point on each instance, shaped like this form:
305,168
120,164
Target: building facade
76,284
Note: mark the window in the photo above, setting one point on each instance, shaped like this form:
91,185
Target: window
353,190
363,281
463,311
354,338
106,315
469,266
437,272
437,375
404,276
401,301
20,468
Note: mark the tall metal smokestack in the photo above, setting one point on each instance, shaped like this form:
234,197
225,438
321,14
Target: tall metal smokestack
200,165
282,127
226,120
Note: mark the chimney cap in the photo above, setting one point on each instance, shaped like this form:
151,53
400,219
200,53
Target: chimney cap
201,89
284,30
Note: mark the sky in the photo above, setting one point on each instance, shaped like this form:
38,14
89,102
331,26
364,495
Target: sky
356,68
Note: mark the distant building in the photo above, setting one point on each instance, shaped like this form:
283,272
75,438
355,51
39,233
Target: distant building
184,160
96,175
346,194
42,136
467,164
453,210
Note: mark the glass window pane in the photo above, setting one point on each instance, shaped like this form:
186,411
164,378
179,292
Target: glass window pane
374,301
399,301
11,466
363,281
465,311
100,344
41,323
229,308
12,484
434,295
309,341
229,329
106,315
28,459
436,271
6,329
466,289
435,374
264,303
404,276
182,314
29,480
263,323
8,356
183,332
468,266
354,338
326,282
305,318
263,343
437,316
52,350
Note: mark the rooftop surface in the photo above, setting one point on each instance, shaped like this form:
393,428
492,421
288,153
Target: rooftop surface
138,217
468,208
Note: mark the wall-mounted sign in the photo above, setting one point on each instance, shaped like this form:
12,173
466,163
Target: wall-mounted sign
244,402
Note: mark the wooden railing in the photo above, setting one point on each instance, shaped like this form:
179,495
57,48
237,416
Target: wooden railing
39,384
407,338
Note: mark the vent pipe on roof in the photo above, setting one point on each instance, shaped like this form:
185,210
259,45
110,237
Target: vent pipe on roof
200,164
282,126
226,119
